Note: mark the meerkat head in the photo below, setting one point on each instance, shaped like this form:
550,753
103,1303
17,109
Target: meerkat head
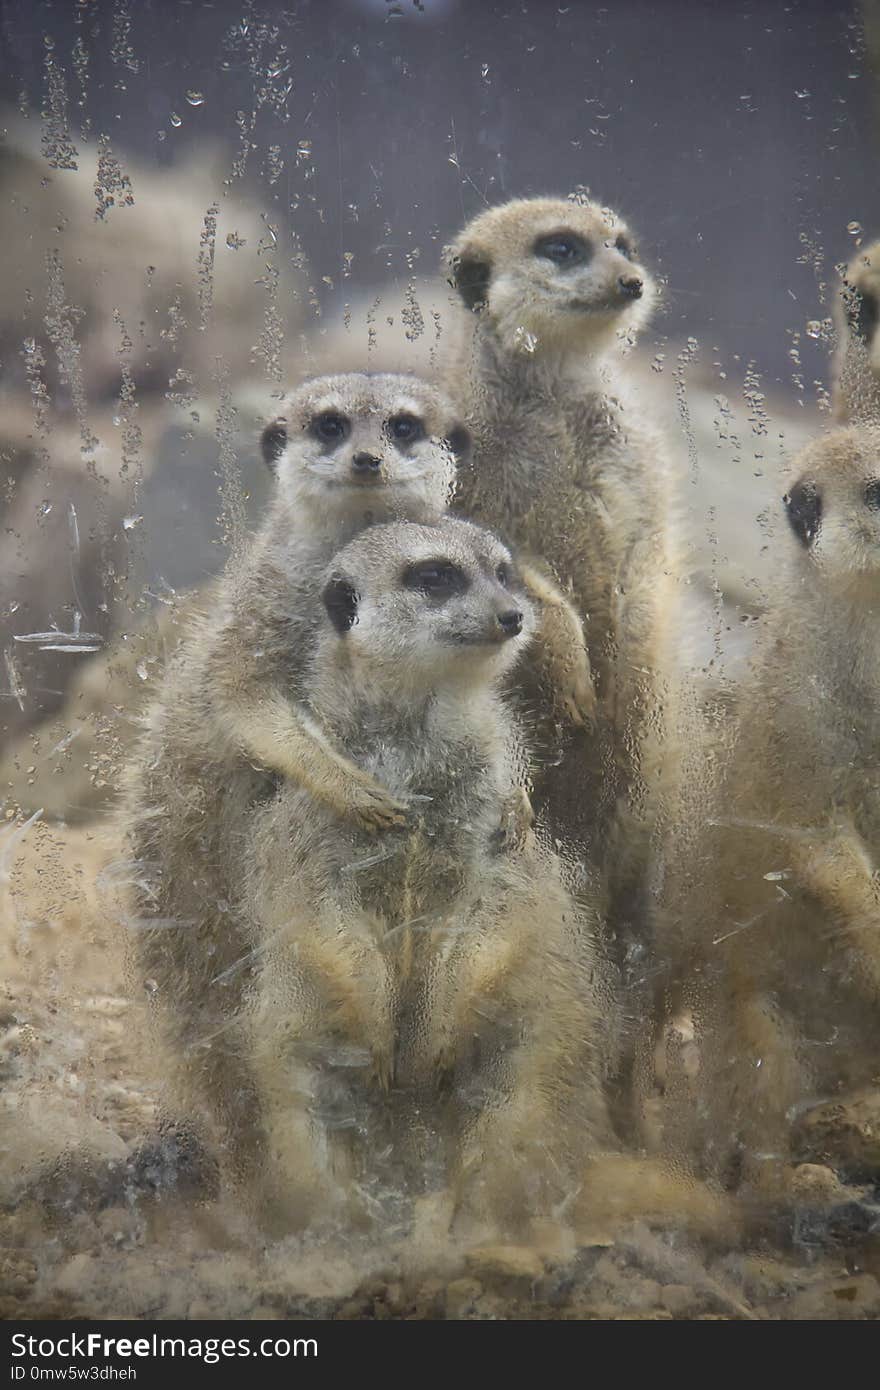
549,274
424,608
834,507
361,447
857,373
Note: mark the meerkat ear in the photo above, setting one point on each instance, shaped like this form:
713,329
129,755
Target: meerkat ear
341,601
458,440
803,506
273,442
470,275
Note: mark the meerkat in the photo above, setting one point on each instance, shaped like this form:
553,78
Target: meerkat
564,466
435,961
856,388
785,975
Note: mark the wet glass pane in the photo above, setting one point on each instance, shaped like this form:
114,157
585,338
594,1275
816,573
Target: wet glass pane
440,499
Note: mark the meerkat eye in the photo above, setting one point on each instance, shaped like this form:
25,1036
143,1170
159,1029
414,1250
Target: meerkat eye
437,578
625,247
406,429
503,575
563,249
872,494
330,427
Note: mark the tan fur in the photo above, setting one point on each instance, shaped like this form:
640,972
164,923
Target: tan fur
856,387
783,920
433,987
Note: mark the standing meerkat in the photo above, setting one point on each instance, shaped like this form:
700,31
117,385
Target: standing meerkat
564,466
856,387
433,968
785,976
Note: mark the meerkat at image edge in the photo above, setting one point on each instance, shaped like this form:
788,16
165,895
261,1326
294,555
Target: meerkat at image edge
565,468
856,386
784,922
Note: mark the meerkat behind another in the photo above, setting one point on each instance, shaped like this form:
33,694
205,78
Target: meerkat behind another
784,919
565,467
856,388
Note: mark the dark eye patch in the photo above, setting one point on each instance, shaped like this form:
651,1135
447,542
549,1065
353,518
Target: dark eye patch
504,574
625,246
872,494
439,579
330,427
406,429
564,249
803,506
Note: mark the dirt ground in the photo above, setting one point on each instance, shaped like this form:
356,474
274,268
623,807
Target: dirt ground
90,1228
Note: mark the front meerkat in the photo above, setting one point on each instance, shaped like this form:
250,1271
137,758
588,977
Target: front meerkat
856,387
432,981
564,466
787,902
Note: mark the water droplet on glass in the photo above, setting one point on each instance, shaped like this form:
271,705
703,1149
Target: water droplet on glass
525,340
484,70
130,522
141,668
304,149
44,509
195,98
814,329
854,228
801,95
175,119
234,241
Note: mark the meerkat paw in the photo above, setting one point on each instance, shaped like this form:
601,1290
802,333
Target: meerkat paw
517,819
374,808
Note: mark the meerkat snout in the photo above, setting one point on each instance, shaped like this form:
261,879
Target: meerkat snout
366,466
510,621
630,286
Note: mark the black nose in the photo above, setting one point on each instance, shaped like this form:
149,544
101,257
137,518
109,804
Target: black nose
631,286
366,464
510,622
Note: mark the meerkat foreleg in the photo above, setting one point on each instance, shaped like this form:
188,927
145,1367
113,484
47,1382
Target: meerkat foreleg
283,738
562,649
